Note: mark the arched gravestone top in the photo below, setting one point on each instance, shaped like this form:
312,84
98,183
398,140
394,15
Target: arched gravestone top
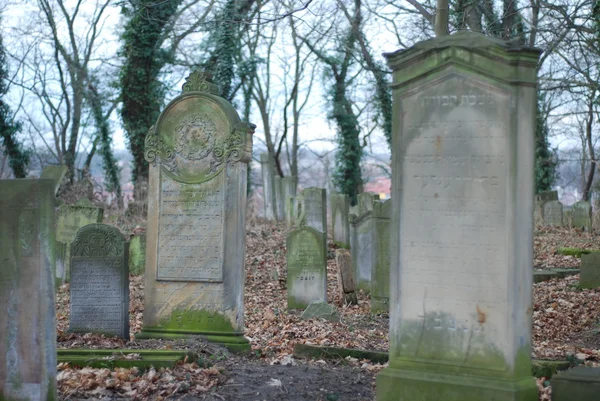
98,240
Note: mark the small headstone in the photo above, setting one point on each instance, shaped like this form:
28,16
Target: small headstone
553,214
590,270
362,250
546,196
69,219
279,199
313,209
194,282
321,310
56,173
27,322
365,202
340,205
268,182
581,383
99,282
290,210
581,215
306,268
289,185
137,254
380,275
567,218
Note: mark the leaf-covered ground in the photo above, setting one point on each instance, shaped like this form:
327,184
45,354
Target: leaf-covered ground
566,325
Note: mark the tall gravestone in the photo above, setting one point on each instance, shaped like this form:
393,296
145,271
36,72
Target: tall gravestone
27,322
340,209
312,209
362,249
268,181
195,243
290,211
289,186
553,213
581,215
462,221
306,267
55,173
99,282
279,199
69,219
380,275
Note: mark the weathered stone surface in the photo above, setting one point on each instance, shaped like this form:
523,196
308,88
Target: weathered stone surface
306,267
27,322
99,282
345,277
462,222
312,209
380,275
546,196
578,384
365,202
268,182
289,186
194,283
590,270
321,310
581,215
290,211
553,214
137,254
69,219
56,173
279,199
340,208
362,250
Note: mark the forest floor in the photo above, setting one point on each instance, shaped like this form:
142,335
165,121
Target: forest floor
565,326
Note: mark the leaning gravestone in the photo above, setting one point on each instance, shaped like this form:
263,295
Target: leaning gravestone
553,214
340,207
306,267
590,270
99,282
69,219
380,275
56,173
362,249
312,209
27,323
194,283
462,222
581,215
268,181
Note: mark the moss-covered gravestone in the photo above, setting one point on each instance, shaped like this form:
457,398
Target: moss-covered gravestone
27,323
312,209
137,254
56,173
462,221
553,214
306,267
69,219
380,275
267,169
99,282
194,283
340,208
590,270
362,249
581,215
288,187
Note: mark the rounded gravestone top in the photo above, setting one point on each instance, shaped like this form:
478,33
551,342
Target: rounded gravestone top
98,240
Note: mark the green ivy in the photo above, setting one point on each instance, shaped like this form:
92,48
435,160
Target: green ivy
545,158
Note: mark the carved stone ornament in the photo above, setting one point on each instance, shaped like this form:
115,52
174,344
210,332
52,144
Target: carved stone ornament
199,81
98,240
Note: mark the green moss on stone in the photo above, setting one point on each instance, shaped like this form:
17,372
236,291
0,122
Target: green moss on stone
577,252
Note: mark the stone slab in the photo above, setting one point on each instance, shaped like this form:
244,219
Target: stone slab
340,208
125,358
321,310
289,187
578,384
312,209
581,215
546,275
380,273
553,214
590,270
268,182
362,250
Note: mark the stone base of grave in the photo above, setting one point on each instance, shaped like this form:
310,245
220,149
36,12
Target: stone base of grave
394,384
379,304
234,342
578,384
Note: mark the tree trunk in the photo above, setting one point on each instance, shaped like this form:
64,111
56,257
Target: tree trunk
441,18
590,145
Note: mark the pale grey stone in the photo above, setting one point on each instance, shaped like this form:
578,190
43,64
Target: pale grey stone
289,186
365,202
553,214
362,250
312,209
581,215
279,199
268,182
340,205
380,273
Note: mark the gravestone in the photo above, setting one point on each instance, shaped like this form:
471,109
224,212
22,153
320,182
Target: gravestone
546,196
312,209
194,283
279,199
340,208
581,215
462,221
137,254
99,282
365,202
306,267
553,214
289,185
27,322
268,181
69,219
290,211
362,250
590,270
55,173
581,383
380,275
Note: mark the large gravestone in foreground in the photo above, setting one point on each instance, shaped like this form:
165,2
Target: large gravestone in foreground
27,323
462,221
194,282
99,282
340,227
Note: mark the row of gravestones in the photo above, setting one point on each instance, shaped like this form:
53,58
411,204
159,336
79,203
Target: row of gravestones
550,212
278,192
